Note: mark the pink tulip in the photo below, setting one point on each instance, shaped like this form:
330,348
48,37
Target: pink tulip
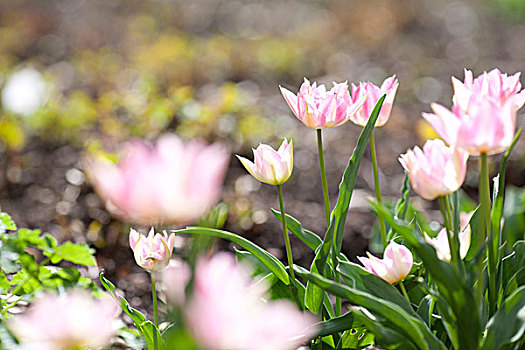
435,171
396,263
374,93
73,320
227,311
270,166
169,183
175,278
153,252
440,242
483,117
318,108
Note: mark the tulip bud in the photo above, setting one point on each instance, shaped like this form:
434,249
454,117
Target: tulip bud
372,94
396,263
270,166
153,252
435,171
318,108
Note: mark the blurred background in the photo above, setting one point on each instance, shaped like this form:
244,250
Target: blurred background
80,76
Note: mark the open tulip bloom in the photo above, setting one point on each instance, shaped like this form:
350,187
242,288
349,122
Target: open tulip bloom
372,93
483,116
441,244
153,252
318,108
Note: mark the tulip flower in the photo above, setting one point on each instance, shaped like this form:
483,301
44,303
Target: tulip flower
440,242
169,183
318,108
270,166
227,311
153,252
483,117
435,171
396,263
374,93
62,322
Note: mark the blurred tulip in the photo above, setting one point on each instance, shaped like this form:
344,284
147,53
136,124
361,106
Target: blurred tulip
372,94
227,311
73,320
435,171
483,117
318,108
440,242
169,183
153,252
396,263
175,278
270,166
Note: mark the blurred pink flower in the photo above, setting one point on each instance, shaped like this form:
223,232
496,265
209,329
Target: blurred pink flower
174,279
153,252
318,108
483,116
73,320
435,171
374,93
440,242
270,166
169,183
227,311
396,263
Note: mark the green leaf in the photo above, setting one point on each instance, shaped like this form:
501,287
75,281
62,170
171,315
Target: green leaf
146,328
309,238
271,262
6,223
507,326
4,283
80,254
412,327
356,338
333,238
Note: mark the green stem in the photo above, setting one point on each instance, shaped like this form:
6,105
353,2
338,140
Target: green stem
155,309
404,291
445,211
485,204
382,226
323,177
285,235
327,213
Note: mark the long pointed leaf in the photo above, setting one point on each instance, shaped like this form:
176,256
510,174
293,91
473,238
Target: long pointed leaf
271,262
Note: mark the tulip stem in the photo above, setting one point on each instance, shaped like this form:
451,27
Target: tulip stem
323,177
445,211
485,204
327,213
382,226
404,291
155,309
286,237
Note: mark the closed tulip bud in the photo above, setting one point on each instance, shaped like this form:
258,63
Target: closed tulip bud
396,263
271,166
435,171
153,252
483,117
318,108
440,242
372,94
